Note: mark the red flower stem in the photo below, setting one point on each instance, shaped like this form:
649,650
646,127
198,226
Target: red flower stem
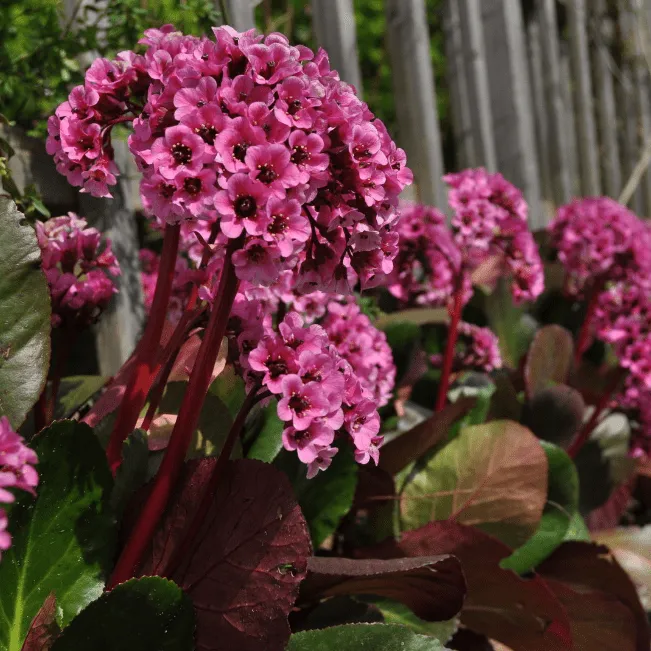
590,426
186,423
145,368
209,494
166,362
583,340
448,358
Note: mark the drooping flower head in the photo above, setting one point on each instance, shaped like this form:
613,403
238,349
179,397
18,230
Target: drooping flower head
428,269
476,349
78,264
253,134
17,471
599,240
489,225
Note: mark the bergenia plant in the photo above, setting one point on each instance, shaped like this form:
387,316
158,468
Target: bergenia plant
324,438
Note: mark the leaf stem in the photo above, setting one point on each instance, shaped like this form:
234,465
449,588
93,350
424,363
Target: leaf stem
186,423
590,426
209,494
448,357
145,369
583,340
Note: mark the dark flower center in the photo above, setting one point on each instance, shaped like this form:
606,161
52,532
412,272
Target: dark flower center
245,207
207,133
278,225
361,152
277,367
256,254
192,186
239,150
181,153
300,154
267,174
294,107
201,103
167,190
298,404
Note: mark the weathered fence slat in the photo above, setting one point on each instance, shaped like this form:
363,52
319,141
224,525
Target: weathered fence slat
334,27
458,85
474,50
540,110
570,122
586,131
513,126
241,14
418,127
555,105
606,110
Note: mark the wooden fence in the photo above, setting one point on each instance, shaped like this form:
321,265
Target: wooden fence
554,94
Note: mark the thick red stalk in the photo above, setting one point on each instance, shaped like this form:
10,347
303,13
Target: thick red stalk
590,426
145,369
236,428
186,423
583,340
448,358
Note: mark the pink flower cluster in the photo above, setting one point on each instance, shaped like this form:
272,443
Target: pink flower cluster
320,395
16,471
429,267
606,252
600,241
477,349
490,223
254,130
76,262
363,346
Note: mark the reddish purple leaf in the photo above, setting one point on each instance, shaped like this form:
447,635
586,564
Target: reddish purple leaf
433,587
44,629
601,600
247,560
549,359
521,613
609,514
401,451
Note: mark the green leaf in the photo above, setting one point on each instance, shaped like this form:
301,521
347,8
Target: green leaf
560,511
25,310
75,391
358,637
132,473
148,614
473,385
327,498
396,613
492,476
63,540
269,441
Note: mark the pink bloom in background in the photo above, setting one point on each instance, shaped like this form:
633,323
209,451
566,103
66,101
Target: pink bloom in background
17,471
254,135
477,349
78,264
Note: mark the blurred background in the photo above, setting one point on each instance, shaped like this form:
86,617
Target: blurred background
554,94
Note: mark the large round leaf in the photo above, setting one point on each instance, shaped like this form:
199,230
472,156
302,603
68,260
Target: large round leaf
492,476
63,540
148,614
356,637
560,512
24,316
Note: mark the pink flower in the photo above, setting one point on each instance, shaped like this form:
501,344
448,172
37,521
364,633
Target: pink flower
242,206
308,442
195,190
5,537
321,462
233,144
301,403
271,165
179,150
286,225
275,360
258,262
188,100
